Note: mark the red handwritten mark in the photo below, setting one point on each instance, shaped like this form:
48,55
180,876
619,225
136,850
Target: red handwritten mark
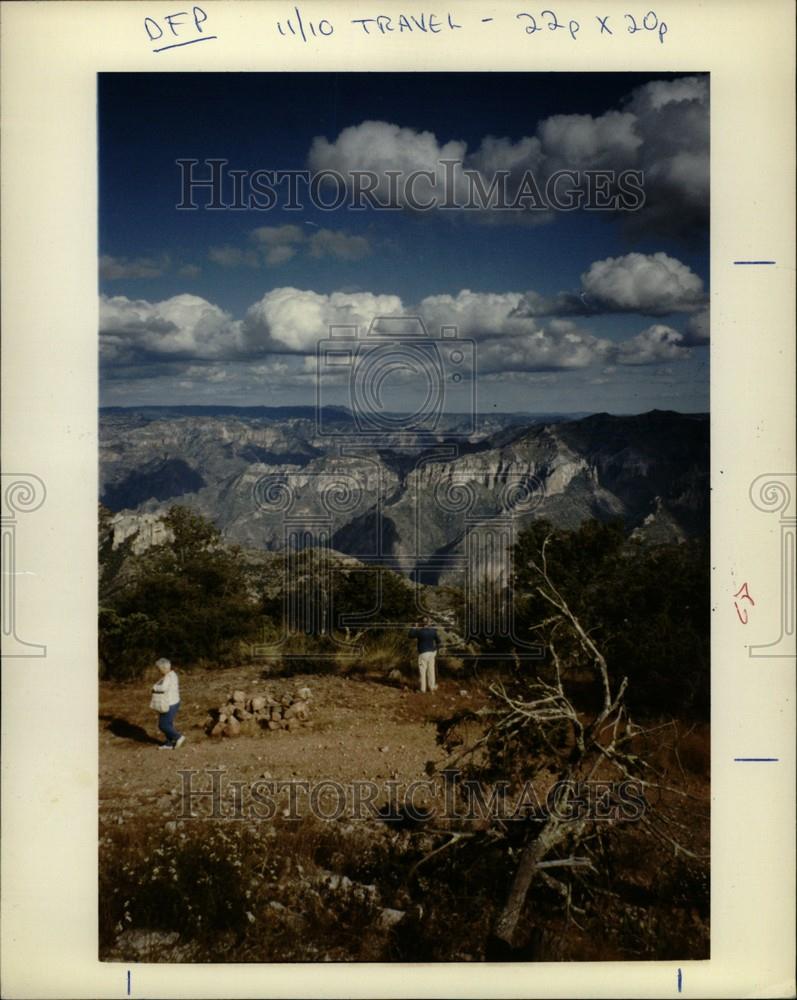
744,595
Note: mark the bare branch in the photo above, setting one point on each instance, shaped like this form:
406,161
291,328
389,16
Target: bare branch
566,863
566,892
455,838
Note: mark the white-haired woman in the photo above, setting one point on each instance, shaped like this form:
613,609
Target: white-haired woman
166,701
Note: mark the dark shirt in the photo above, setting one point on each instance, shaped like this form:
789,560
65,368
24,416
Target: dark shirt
427,639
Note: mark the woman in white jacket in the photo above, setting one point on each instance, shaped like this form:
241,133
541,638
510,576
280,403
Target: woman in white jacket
169,688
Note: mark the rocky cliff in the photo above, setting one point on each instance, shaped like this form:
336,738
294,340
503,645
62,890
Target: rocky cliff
267,479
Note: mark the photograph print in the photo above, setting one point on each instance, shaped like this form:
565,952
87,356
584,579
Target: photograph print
403,540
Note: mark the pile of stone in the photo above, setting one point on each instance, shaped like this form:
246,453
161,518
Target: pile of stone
243,715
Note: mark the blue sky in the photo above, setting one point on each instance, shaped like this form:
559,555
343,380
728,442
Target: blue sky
578,310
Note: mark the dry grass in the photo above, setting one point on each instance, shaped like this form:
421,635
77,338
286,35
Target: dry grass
232,890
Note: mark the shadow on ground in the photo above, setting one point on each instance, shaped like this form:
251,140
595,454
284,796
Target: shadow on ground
128,730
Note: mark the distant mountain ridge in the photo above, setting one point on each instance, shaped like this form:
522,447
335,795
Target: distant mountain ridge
305,412
414,504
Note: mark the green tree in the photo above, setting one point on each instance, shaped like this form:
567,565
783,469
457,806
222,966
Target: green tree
647,606
189,598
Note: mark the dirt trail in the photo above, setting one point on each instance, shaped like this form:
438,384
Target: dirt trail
354,720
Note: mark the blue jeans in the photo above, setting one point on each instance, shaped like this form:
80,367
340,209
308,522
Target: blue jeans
166,724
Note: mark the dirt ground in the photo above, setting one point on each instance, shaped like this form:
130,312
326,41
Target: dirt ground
653,904
361,728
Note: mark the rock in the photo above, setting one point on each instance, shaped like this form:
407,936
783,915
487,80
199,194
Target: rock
365,892
242,716
144,942
394,675
156,946
384,749
342,883
463,693
388,917
335,882
298,710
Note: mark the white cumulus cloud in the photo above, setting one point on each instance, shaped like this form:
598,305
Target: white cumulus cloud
475,314
650,284
144,339
378,147
185,326
654,284
697,329
661,129
507,341
655,344
292,319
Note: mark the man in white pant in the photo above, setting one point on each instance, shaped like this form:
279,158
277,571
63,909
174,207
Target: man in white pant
427,640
